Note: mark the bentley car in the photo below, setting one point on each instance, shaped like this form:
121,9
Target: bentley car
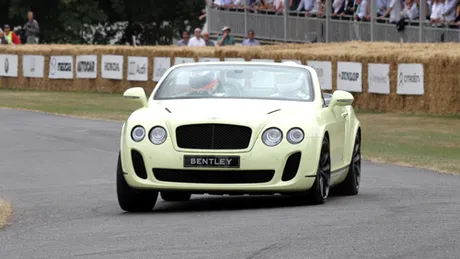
238,128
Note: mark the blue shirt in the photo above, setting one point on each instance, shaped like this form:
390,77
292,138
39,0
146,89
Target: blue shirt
248,42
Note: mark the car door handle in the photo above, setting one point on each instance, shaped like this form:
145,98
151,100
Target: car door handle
345,114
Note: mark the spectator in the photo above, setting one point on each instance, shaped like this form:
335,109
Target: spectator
12,37
225,39
349,8
381,7
184,40
337,7
449,11
32,29
250,41
436,12
3,39
394,10
457,19
197,41
206,40
362,11
318,9
410,10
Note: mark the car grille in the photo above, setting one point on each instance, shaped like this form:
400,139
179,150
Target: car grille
213,176
213,136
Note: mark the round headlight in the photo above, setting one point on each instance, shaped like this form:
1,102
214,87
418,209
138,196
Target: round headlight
157,135
272,137
295,136
138,133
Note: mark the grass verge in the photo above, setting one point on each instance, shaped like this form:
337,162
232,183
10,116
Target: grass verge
430,142
5,212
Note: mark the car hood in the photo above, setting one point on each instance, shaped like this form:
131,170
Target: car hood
253,113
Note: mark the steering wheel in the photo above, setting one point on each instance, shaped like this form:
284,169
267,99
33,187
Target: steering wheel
233,89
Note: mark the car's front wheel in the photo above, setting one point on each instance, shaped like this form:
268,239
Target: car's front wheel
130,199
350,186
175,196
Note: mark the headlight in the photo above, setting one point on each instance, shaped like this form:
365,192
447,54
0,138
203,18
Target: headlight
295,136
272,137
157,135
138,133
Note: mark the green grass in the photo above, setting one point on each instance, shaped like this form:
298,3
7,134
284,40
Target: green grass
431,142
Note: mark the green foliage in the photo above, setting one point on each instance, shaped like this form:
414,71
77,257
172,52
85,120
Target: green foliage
73,21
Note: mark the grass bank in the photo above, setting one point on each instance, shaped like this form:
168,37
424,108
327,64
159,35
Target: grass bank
431,142
5,212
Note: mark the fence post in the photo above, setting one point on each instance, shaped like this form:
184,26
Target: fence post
328,18
246,6
421,19
373,16
286,6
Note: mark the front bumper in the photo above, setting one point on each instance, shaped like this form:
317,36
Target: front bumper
170,174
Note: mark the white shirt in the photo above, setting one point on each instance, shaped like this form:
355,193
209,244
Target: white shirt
436,10
362,9
449,10
194,42
395,13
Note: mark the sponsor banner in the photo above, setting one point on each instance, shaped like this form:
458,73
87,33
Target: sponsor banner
262,60
61,67
291,60
9,65
112,67
86,66
180,60
324,71
160,66
138,68
349,76
208,60
33,66
410,79
235,59
378,77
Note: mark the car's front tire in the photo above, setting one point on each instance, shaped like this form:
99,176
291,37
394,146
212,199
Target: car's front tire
130,199
319,192
175,196
350,186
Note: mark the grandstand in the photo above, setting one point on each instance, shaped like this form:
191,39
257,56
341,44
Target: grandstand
337,20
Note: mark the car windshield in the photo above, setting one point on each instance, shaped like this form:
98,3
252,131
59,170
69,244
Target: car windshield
248,81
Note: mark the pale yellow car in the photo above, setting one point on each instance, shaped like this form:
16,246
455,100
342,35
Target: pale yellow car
238,128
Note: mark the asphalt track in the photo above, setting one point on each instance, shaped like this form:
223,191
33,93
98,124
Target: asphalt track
59,173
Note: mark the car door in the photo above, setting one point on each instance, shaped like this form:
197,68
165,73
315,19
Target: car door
341,117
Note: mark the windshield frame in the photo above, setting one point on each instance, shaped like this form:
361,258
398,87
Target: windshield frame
159,87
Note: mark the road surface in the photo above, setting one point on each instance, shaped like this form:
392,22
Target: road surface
59,173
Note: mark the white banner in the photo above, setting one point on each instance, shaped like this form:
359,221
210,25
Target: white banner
33,66
410,79
9,65
324,71
138,68
86,66
262,60
112,67
234,59
208,60
61,67
378,77
349,76
291,60
179,60
160,66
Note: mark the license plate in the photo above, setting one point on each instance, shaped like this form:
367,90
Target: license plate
212,161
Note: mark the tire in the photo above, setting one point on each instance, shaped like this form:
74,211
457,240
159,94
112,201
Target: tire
175,196
319,192
350,186
130,199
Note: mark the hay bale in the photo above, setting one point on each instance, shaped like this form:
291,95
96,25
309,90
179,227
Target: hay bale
441,66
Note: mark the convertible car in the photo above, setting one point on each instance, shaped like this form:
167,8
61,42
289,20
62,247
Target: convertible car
238,128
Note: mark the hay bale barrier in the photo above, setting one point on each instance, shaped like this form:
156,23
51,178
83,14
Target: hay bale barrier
440,62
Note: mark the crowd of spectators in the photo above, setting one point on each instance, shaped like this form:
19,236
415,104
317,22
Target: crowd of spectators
439,13
30,36
201,39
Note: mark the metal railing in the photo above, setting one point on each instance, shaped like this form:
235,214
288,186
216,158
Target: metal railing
292,26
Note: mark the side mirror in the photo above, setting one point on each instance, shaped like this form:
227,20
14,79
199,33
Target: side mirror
341,98
137,93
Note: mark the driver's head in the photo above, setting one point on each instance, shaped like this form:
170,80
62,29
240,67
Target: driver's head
288,82
203,81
